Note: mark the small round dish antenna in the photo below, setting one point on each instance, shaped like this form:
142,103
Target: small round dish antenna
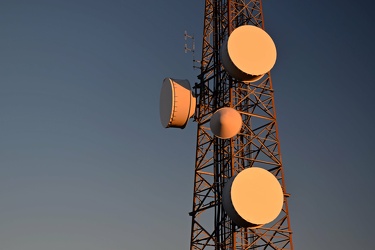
177,103
248,53
226,123
253,198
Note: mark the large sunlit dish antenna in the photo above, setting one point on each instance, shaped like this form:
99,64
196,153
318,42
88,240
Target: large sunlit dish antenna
248,53
253,198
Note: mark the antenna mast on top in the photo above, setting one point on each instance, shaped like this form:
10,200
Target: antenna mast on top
190,49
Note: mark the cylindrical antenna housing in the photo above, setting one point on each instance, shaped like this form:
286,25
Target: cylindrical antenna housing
177,103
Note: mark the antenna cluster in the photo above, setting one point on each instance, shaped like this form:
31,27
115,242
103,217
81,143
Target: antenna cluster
247,55
238,169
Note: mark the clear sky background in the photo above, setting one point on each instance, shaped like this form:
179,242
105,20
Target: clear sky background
86,165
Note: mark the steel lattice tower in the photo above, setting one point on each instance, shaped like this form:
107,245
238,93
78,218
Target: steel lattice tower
257,144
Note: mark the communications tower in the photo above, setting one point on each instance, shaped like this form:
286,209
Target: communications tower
240,198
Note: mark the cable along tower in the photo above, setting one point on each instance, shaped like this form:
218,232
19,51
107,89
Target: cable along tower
240,198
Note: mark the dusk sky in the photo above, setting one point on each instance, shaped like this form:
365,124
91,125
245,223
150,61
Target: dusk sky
86,165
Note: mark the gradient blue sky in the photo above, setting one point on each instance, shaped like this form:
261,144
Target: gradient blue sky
85,163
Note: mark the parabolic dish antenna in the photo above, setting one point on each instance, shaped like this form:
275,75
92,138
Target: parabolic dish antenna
253,198
177,103
226,123
248,53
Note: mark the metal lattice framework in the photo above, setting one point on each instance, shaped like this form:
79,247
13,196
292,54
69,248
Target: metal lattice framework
257,144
